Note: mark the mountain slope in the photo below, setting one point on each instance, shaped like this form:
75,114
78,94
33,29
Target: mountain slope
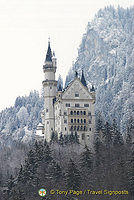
19,122
106,54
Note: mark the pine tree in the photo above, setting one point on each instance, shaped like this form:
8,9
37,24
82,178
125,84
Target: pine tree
129,140
131,175
54,137
76,138
61,139
28,173
56,172
48,154
73,176
87,159
107,134
98,148
99,122
10,183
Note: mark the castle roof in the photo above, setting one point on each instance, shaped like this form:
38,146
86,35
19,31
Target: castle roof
83,79
59,88
49,53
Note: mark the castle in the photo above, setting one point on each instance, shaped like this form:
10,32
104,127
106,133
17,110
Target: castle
68,110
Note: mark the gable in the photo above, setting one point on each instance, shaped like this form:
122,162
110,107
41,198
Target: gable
76,87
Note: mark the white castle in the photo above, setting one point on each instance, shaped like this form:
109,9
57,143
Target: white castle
68,110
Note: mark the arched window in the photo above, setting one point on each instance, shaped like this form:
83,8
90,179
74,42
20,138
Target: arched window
71,128
74,112
71,112
74,120
84,121
71,120
81,120
84,128
74,127
89,113
77,120
81,128
84,112
81,112
78,128
78,112
83,136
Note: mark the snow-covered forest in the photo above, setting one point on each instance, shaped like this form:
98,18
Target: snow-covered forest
106,55
19,122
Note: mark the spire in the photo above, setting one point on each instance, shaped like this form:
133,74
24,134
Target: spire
76,74
83,79
49,53
60,87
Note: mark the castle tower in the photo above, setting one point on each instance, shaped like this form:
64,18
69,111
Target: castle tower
50,87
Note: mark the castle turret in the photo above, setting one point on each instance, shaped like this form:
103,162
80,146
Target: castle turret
83,79
50,86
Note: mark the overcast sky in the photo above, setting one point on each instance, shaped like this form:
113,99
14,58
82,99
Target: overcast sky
25,26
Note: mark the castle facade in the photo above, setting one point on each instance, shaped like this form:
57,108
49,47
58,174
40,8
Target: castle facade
68,110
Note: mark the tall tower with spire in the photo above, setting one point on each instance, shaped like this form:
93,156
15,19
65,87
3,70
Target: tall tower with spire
50,87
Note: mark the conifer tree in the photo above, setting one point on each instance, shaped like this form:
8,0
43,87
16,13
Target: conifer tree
61,139
76,138
107,134
131,174
87,158
98,148
57,172
73,176
117,138
48,154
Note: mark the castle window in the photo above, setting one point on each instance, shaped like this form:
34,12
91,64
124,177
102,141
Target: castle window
89,113
84,112
71,120
78,112
67,104
74,112
83,136
46,109
84,120
77,105
71,112
81,112
74,120
78,120
65,113
84,128
81,120
86,105
76,94
65,121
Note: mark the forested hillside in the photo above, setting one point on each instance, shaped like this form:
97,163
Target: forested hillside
19,122
106,55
